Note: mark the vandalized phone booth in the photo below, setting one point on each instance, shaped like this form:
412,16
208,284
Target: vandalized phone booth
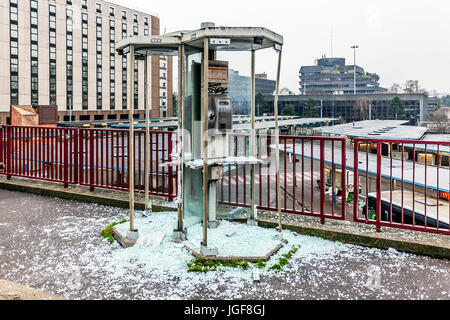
205,116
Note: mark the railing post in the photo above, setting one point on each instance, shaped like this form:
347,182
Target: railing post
66,158
322,182
81,155
91,160
76,159
2,160
169,151
356,182
378,187
8,153
343,178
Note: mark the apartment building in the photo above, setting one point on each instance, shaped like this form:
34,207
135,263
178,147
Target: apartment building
61,52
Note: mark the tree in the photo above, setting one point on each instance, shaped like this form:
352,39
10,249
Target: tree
263,107
440,123
373,76
288,110
361,109
396,109
412,86
446,100
395,88
310,110
439,103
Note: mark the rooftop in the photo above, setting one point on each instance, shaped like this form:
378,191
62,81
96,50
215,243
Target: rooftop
377,129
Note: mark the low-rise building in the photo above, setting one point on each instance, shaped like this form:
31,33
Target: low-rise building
351,107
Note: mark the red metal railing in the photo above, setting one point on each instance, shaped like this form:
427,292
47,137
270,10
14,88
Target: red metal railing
92,157
304,175
396,183
405,184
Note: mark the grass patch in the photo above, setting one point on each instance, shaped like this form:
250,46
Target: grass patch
107,232
260,264
204,265
284,259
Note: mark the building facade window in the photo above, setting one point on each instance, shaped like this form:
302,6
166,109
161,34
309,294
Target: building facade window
84,4
99,63
124,69
69,58
135,18
145,32
135,30
112,65
136,84
14,57
124,15
84,61
98,8
111,11
52,54
146,21
34,52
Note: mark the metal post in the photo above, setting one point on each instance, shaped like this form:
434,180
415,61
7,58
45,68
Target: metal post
322,182
70,109
8,152
180,150
277,138
378,207
131,135
354,67
76,156
354,71
65,135
91,160
253,140
147,136
205,140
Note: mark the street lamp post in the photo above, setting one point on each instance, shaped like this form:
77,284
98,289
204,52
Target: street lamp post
354,67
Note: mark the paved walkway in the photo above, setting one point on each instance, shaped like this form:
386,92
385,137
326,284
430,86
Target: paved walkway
55,245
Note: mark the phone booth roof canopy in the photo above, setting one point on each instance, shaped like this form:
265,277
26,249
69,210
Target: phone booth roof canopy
238,39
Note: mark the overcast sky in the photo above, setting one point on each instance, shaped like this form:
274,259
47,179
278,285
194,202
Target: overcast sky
398,39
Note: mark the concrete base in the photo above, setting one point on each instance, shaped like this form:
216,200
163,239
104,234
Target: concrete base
179,236
124,241
252,222
208,251
133,235
209,254
213,224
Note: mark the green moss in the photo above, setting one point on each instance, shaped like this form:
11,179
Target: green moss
261,264
204,265
107,232
283,260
